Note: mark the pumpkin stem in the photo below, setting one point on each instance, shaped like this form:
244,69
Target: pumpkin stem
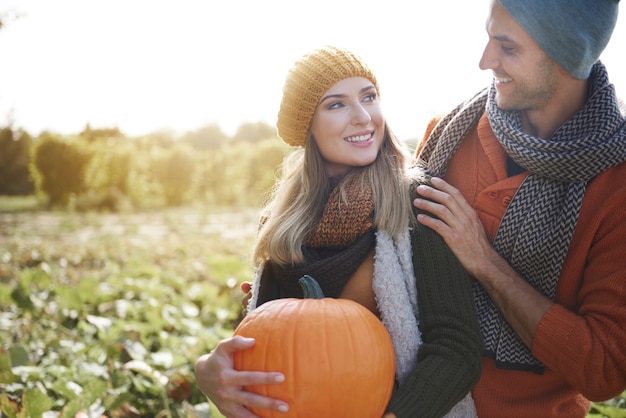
310,287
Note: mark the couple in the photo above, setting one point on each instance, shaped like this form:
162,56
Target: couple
531,209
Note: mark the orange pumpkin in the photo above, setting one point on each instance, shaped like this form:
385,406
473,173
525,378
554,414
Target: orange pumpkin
337,357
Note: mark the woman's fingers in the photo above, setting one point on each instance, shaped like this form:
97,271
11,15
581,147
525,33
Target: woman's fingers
225,386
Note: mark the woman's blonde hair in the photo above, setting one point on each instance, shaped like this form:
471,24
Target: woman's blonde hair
298,200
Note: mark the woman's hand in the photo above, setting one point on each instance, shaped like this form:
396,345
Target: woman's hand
218,379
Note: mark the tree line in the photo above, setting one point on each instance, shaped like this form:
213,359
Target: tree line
102,169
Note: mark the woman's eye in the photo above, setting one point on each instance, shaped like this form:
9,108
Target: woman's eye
335,105
370,97
507,49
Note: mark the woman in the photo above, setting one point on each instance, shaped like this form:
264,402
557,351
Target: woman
342,213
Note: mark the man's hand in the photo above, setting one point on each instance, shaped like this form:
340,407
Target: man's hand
457,223
460,227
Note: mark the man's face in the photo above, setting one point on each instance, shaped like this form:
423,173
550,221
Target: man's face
526,78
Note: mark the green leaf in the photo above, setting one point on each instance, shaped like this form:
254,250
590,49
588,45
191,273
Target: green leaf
94,389
21,297
35,403
72,408
116,399
9,406
66,390
6,372
69,297
88,290
5,292
609,411
19,356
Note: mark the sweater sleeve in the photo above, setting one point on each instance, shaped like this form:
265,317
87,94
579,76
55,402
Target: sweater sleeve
582,337
449,360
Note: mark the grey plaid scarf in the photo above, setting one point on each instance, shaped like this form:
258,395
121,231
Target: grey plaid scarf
536,230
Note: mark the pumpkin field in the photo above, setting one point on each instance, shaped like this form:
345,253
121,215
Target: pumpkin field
104,314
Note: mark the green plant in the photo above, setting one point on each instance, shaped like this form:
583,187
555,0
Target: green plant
98,316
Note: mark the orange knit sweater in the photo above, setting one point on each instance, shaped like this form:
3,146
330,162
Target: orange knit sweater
582,339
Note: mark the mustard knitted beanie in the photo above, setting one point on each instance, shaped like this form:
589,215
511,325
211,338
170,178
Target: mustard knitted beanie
307,80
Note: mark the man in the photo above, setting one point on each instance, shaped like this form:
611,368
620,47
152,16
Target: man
534,206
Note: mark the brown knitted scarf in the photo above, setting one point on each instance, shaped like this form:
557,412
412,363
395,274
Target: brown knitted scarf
345,218
334,250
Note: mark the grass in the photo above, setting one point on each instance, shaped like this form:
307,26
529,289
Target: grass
12,204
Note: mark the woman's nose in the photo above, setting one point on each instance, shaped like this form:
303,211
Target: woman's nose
360,115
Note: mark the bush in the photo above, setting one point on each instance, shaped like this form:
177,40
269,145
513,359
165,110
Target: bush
240,173
107,177
14,160
174,170
102,170
57,166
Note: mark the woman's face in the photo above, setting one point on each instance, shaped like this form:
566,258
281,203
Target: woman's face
348,125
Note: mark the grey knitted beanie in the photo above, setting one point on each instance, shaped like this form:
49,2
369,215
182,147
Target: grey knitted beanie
572,32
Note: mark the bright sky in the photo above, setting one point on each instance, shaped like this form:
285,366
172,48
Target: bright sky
147,65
